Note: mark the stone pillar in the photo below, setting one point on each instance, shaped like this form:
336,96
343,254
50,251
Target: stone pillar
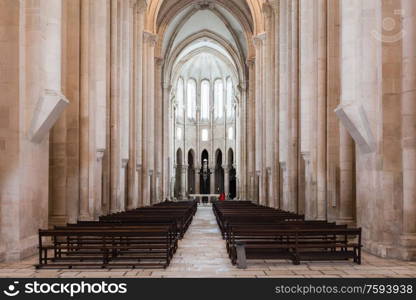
259,43
285,101
347,195
321,120
114,104
276,105
197,179
183,181
159,123
408,238
84,103
152,40
212,181
268,105
99,184
333,100
139,71
166,140
308,205
349,31
251,129
139,172
226,181
242,189
148,114
51,66
132,196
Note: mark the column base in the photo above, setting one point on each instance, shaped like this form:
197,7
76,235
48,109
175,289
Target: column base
405,250
350,222
58,220
85,218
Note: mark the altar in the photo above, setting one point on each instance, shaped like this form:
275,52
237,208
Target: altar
200,196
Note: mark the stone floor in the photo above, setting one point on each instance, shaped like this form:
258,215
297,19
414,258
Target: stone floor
202,253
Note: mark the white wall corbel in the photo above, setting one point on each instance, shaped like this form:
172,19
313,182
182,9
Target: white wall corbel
49,108
354,118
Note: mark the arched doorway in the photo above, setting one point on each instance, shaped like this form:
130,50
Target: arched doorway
232,175
219,173
191,172
178,174
205,175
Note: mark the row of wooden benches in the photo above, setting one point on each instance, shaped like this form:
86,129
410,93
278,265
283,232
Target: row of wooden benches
143,238
257,232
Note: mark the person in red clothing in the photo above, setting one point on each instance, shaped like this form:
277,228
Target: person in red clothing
222,197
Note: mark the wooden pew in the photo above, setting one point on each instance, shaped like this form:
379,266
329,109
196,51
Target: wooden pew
300,244
144,237
256,232
106,247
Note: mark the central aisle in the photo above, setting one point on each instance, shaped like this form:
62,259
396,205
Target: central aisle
202,250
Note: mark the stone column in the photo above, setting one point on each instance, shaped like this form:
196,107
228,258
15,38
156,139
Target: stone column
347,196
333,100
51,67
132,196
139,71
226,180
408,238
285,93
159,123
308,205
183,181
293,153
125,101
268,113
250,129
212,181
166,136
276,104
122,199
84,103
152,40
197,179
148,114
242,140
139,171
114,103
98,183
350,29
259,43
321,126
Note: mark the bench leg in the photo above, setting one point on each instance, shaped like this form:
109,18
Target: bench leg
241,257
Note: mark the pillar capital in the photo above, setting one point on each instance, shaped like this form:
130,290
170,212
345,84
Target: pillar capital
100,154
267,10
141,6
259,40
306,155
159,61
150,38
124,162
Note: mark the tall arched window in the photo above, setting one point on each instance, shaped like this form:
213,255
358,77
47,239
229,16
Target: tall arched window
179,98
191,99
205,100
230,112
219,98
